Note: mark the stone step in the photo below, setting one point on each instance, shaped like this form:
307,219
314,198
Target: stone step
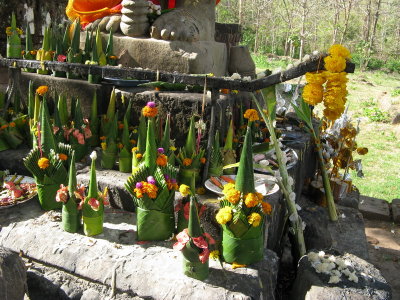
115,258
396,210
373,208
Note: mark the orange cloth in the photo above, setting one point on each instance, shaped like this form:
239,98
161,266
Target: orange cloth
91,10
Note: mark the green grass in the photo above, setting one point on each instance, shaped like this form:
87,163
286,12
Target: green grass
381,166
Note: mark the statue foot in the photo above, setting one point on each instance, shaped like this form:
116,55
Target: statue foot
106,24
178,24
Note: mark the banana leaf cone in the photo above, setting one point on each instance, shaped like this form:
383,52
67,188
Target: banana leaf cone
74,54
190,145
71,216
13,40
57,57
99,46
216,163
30,54
192,266
47,137
47,194
111,59
88,46
94,59
31,101
125,161
154,225
229,155
3,144
44,54
245,175
13,137
109,156
93,220
59,133
94,122
150,155
185,175
142,135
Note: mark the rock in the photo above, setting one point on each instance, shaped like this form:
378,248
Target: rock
351,199
90,294
12,275
316,233
373,208
315,286
396,210
12,160
396,119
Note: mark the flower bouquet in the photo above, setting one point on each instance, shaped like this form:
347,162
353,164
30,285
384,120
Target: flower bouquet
30,53
138,151
48,162
109,138
71,210
74,54
111,58
13,39
152,188
228,153
45,52
194,244
93,204
242,213
190,157
97,58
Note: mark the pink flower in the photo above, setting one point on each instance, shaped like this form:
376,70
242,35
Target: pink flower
61,58
210,239
55,129
94,203
87,132
62,194
81,139
183,238
203,256
76,133
151,104
80,192
200,242
67,132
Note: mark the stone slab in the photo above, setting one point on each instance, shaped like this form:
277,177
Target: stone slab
151,270
200,57
311,285
373,208
12,275
396,210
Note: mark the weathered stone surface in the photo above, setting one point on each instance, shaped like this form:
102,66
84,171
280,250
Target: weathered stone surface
316,233
396,210
314,286
150,270
352,199
348,233
373,208
12,275
396,119
12,160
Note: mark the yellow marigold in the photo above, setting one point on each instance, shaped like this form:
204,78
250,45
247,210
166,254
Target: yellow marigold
41,90
43,163
33,52
254,219
251,199
313,93
172,148
149,112
162,160
232,195
332,115
20,31
335,64
187,162
224,215
337,79
362,151
203,160
201,191
339,50
184,190
214,254
228,186
8,31
266,207
252,115
134,149
103,146
139,155
12,124
151,190
317,78
62,156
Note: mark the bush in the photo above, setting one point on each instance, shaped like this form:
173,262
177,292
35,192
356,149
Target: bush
375,64
393,65
374,114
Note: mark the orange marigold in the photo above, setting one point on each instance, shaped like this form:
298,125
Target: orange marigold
62,156
232,195
43,163
266,207
41,90
251,199
252,115
12,124
335,64
203,160
139,155
187,162
150,110
162,160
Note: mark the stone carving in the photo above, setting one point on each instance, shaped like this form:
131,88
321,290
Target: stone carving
134,21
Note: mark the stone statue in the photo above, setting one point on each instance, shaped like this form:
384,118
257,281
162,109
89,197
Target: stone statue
191,20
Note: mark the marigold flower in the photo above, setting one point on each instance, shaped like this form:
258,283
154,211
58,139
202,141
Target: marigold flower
134,149
139,155
187,162
335,64
203,160
150,189
224,215
8,31
150,110
120,145
43,163
362,151
102,138
41,90
339,50
33,52
232,195
103,146
266,207
62,156
184,190
313,93
317,78
12,124
133,142
162,160
121,126
251,115
254,219
228,186
214,254
251,199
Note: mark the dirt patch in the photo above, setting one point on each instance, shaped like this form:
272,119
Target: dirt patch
384,251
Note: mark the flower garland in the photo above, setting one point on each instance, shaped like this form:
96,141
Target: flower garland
334,93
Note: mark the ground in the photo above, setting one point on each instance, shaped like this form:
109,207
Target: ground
384,251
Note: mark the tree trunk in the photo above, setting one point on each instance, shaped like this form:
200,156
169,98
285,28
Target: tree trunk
303,28
346,20
372,38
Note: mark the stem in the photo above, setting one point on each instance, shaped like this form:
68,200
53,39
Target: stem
286,188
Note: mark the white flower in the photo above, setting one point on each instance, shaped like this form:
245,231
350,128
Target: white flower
313,257
298,207
321,254
306,57
290,180
93,155
247,78
353,277
334,279
292,196
264,163
236,76
293,217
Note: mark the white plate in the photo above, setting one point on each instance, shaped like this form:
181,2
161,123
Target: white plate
264,184
26,179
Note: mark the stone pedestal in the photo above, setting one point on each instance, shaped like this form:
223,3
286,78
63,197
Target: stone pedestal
201,57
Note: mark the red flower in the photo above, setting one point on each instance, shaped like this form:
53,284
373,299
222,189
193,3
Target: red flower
61,58
200,242
183,238
9,185
55,129
62,194
94,203
203,256
87,132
